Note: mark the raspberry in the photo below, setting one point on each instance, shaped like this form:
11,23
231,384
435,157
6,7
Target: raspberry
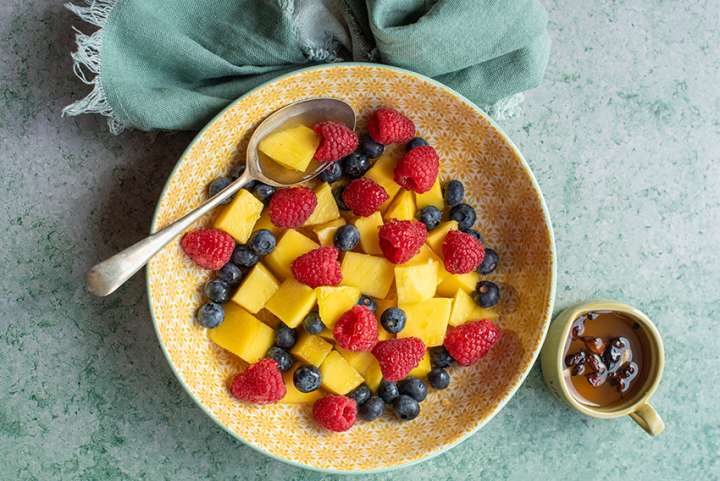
462,253
261,383
208,248
291,207
319,267
364,196
400,240
397,357
388,126
471,341
356,330
418,169
336,413
336,141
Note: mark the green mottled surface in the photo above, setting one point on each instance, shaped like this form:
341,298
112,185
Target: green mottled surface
624,137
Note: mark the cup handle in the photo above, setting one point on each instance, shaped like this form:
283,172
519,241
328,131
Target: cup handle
648,419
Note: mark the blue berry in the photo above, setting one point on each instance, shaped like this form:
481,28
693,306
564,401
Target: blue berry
489,262
307,378
355,165
454,192
331,173
372,409
430,216
262,242
231,274
439,378
210,315
464,215
368,302
217,291
285,337
393,319
244,257
313,324
439,357
388,391
414,388
371,148
486,294
415,142
360,394
346,237
284,359
217,185
406,408
475,234
263,191
337,193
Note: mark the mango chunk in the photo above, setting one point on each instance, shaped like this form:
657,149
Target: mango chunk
311,349
292,395
373,376
333,302
338,376
383,304
427,320
293,147
291,245
360,361
382,173
239,217
326,209
432,197
327,334
242,334
437,235
417,282
368,228
402,207
268,318
452,282
422,369
291,302
257,287
325,233
264,222
372,275
464,310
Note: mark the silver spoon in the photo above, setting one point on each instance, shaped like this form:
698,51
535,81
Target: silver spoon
105,277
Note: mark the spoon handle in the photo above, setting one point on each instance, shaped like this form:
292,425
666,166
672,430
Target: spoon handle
104,278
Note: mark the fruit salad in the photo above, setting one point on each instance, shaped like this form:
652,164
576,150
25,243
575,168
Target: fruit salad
357,293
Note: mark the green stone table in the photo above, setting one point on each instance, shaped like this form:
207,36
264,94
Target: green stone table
624,137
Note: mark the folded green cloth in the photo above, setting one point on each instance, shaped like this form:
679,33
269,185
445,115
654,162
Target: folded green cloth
173,64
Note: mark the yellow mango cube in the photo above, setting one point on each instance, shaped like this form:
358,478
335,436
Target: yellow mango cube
257,287
373,376
422,369
268,318
368,228
326,209
432,197
382,173
291,302
462,308
333,302
427,320
436,236
451,283
292,395
417,282
338,376
325,233
239,217
327,334
264,222
402,207
372,275
311,349
242,334
360,361
383,304
293,147
291,245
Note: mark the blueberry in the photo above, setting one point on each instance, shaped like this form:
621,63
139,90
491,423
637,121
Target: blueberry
388,391
439,357
231,274
210,315
337,193
464,215
307,378
489,263
285,337
217,185
430,216
217,291
331,173
475,234
413,387
439,378
372,409
415,142
313,324
244,257
368,302
393,319
263,191
371,148
284,359
262,242
360,394
346,237
454,192
355,165
486,294
406,408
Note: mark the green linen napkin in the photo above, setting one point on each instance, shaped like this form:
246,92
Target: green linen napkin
173,64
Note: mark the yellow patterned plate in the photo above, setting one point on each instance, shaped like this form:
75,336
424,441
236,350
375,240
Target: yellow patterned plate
511,215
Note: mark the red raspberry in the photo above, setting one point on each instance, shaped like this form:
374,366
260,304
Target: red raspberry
208,248
397,357
418,169
364,196
388,126
291,207
319,267
400,240
470,342
356,330
462,253
261,383
336,413
336,141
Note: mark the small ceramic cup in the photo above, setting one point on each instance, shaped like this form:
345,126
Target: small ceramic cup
638,407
